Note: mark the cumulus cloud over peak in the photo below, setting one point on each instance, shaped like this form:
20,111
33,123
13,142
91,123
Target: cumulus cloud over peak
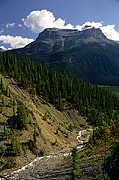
15,42
39,20
88,25
108,30
4,49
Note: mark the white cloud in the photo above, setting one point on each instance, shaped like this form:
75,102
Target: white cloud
2,47
88,25
19,25
39,20
1,31
15,42
108,30
10,25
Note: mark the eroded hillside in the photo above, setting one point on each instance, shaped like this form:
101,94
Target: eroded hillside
56,131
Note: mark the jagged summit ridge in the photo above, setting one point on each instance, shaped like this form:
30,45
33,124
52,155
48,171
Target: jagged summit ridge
54,39
55,34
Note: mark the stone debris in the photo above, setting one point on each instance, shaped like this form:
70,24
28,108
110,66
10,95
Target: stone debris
32,164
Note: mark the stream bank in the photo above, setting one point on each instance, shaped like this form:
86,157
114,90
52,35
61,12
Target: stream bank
31,169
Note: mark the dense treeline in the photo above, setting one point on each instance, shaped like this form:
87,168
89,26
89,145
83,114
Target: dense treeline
96,103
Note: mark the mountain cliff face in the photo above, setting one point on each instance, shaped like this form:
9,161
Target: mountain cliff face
87,54
53,39
55,34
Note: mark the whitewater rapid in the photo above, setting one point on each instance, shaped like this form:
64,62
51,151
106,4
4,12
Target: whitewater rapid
51,156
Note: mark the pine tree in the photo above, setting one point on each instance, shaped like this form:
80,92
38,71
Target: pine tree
60,102
22,116
3,102
2,85
34,135
14,111
5,130
7,90
75,162
14,102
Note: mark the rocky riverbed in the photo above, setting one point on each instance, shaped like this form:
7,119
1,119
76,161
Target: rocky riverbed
50,166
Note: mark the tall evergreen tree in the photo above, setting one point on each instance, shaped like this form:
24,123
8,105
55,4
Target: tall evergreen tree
21,116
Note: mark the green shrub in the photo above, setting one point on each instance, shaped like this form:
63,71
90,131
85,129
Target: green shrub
70,127
24,148
41,152
3,149
15,146
32,146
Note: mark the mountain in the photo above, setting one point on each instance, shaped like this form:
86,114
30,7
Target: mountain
87,54
54,39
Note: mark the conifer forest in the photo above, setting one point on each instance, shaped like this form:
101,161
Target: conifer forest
97,104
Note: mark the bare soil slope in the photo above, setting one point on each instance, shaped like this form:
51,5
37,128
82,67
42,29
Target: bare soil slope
55,134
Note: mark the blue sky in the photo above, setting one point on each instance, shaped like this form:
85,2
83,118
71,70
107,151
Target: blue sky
22,20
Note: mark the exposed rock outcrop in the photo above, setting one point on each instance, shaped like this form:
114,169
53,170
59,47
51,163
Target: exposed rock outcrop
53,39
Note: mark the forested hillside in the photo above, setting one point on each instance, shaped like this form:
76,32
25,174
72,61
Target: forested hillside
99,106
58,88
87,54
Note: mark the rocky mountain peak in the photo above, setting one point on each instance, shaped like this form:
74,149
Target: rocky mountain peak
56,34
93,33
54,39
